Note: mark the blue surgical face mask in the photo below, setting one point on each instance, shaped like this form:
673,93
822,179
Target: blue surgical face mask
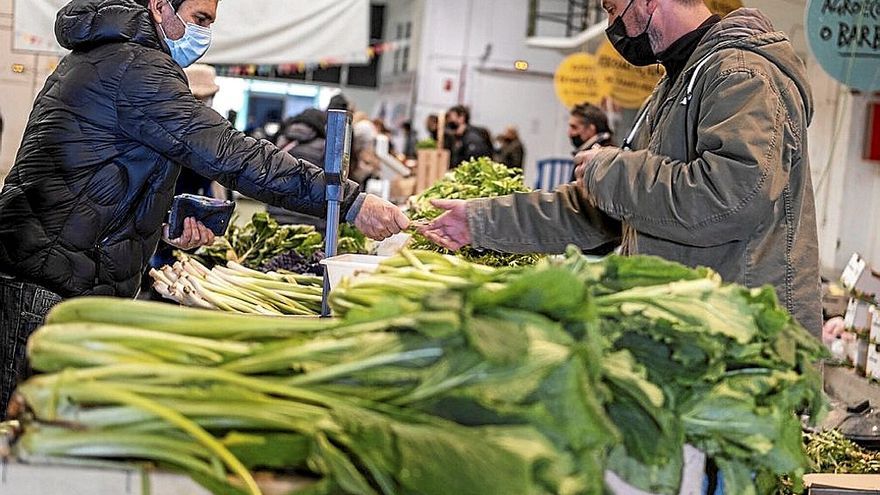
191,46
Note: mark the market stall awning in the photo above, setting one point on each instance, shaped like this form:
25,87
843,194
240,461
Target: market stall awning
277,32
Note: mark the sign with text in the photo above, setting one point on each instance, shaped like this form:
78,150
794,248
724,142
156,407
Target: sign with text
579,80
844,36
630,86
723,7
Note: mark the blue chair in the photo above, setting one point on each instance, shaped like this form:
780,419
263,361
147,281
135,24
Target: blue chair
553,172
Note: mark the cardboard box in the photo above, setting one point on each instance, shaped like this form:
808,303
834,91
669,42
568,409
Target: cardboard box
859,315
872,367
857,352
859,277
875,325
842,484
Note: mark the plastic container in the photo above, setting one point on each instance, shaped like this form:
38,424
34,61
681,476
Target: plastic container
392,245
350,266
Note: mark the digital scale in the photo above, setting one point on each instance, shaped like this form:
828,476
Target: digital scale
337,155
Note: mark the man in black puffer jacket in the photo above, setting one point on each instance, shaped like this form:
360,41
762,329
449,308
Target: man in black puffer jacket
82,210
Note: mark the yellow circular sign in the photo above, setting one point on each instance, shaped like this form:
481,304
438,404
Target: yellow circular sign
578,80
723,7
630,85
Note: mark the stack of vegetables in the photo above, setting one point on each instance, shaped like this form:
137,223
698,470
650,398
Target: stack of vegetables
831,452
238,289
265,245
477,178
440,376
262,268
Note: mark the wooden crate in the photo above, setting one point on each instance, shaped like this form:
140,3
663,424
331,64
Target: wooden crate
432,165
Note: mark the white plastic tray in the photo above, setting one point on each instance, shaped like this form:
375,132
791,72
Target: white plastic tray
350,265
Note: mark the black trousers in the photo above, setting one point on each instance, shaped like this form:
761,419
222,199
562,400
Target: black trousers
23,308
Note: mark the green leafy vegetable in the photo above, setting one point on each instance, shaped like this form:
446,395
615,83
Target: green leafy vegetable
477,178
262,239
441,376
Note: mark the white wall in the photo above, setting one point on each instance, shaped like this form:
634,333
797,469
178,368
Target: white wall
18,90
847,187
455,41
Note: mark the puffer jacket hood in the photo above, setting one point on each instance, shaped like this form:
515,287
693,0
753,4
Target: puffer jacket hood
83,24
750,29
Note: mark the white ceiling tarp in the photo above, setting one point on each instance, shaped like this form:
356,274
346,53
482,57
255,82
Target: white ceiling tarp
246,31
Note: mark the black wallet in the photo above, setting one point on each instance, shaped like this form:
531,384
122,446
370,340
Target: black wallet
214,214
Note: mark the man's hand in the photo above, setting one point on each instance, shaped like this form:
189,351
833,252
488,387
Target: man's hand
379,219
450,230
195,234
581,161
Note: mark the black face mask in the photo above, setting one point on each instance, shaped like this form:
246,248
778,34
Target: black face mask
451,126
577,141
635,50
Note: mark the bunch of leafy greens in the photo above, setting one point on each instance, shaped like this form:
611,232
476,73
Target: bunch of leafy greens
428,397
687,359
263,238
441,376
477,178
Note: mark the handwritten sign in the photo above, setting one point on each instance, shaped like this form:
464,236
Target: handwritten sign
579,80
844,36
630,85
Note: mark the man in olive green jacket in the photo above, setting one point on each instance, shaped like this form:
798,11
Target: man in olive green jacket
714,173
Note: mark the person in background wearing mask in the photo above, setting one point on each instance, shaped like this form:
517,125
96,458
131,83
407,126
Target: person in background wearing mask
83,207
469,141
588,128
720,177
511,151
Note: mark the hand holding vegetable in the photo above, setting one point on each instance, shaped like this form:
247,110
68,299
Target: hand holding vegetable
451,229
379,219
195,234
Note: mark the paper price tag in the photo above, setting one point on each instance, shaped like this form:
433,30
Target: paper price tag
853,271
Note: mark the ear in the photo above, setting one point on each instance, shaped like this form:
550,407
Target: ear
157,8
